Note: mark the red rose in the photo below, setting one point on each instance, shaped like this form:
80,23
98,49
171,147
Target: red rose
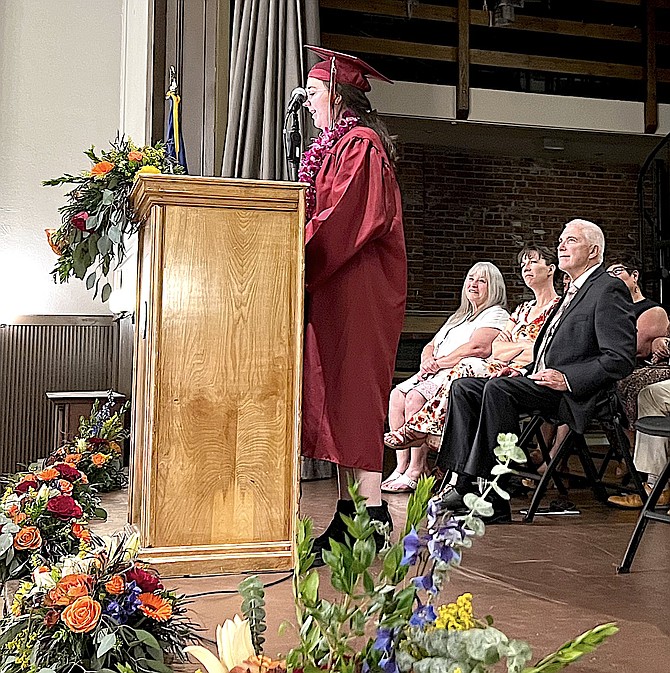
97,440
79,220
146,581
51,619
67,471
24,486
64,507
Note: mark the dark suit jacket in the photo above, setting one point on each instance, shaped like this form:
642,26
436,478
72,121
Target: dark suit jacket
594,345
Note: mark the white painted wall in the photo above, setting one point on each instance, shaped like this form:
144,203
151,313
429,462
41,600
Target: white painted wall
60,74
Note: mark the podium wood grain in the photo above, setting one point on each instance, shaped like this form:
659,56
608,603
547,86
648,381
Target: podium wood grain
218,370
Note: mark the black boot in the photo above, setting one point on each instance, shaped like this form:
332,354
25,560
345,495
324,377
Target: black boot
381,513
336,531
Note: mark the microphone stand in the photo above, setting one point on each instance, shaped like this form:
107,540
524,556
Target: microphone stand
292,143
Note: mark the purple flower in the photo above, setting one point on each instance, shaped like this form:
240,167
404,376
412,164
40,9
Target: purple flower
113,609
424,614
425,582
412,544
443,552
388,665
384,639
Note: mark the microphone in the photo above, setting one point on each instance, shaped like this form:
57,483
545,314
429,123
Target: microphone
298,97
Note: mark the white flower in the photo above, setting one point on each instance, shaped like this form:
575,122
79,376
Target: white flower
131,546
43,579
81,445
233,642
73,565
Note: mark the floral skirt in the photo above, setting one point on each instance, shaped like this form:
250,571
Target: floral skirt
430,418
629,388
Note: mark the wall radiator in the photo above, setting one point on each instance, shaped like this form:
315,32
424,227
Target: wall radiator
41,354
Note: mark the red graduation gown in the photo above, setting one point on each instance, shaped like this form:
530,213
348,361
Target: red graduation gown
356,282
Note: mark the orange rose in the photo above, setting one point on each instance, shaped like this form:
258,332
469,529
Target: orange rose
58,248
135,156
65,486
115,586
98,459
83,615
81,532
72,458
28,538
84,478
48,474
28,478
69,588
102,168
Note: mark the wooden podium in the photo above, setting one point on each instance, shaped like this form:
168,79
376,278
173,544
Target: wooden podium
218,370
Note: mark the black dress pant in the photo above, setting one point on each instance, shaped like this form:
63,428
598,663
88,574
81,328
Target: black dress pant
480,409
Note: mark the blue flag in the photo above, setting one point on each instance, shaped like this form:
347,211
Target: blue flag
174,140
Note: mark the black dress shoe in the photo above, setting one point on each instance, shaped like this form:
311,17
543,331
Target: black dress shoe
449,498
382,514
336,530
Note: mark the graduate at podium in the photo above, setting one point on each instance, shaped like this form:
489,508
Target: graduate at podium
356,282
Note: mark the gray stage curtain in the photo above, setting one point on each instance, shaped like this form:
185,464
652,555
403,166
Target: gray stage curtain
267,61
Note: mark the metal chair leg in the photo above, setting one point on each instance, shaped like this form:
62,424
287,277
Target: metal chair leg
646,515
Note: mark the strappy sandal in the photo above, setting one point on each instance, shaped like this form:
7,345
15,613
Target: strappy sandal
403,439
404,485
394,476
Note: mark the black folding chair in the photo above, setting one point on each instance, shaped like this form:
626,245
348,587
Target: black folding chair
657,426
609,413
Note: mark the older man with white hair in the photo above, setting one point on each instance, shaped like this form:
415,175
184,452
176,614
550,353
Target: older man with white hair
587,345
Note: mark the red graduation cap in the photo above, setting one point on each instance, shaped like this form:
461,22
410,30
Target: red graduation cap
343,69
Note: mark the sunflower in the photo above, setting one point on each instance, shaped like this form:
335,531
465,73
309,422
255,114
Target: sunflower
155,607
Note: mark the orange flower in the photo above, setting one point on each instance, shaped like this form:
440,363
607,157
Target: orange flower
102,168
135,156
70,588
19,518
28,478
115,447
72,458
81,532
58,248
83,615
28,538
48,474
65,486
155,607
98,459
84,478
115,586
13,511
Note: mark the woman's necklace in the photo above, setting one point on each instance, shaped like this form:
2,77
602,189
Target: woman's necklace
313,158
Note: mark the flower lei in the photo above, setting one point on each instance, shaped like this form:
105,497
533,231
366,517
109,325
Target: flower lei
313,158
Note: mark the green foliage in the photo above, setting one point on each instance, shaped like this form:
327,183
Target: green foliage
253,607
330,631
97,218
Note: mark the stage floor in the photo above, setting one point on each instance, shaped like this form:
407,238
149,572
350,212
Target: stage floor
543,582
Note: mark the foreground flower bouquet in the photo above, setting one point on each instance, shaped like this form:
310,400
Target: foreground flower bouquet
102,611
97,216
96,450
44,516
416,630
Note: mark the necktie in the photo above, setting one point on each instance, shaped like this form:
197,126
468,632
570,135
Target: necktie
553,326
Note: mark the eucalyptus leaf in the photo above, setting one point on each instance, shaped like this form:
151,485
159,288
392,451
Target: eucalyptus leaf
90,281
114,233
104,245
107,197
6,542
107,643
106,291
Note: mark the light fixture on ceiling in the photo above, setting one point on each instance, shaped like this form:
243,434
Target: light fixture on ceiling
553,144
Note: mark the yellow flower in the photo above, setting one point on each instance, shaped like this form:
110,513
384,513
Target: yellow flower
147,169
456,616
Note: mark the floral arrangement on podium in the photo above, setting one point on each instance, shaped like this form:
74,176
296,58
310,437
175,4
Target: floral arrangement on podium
101,611
97,217
96,449
384,620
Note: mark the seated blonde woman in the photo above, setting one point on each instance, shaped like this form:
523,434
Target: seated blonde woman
512,349
470,331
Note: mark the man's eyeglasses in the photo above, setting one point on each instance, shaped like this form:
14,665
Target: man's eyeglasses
617,270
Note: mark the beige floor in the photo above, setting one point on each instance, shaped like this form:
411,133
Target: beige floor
544,582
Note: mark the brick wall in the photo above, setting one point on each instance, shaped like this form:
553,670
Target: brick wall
463,208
